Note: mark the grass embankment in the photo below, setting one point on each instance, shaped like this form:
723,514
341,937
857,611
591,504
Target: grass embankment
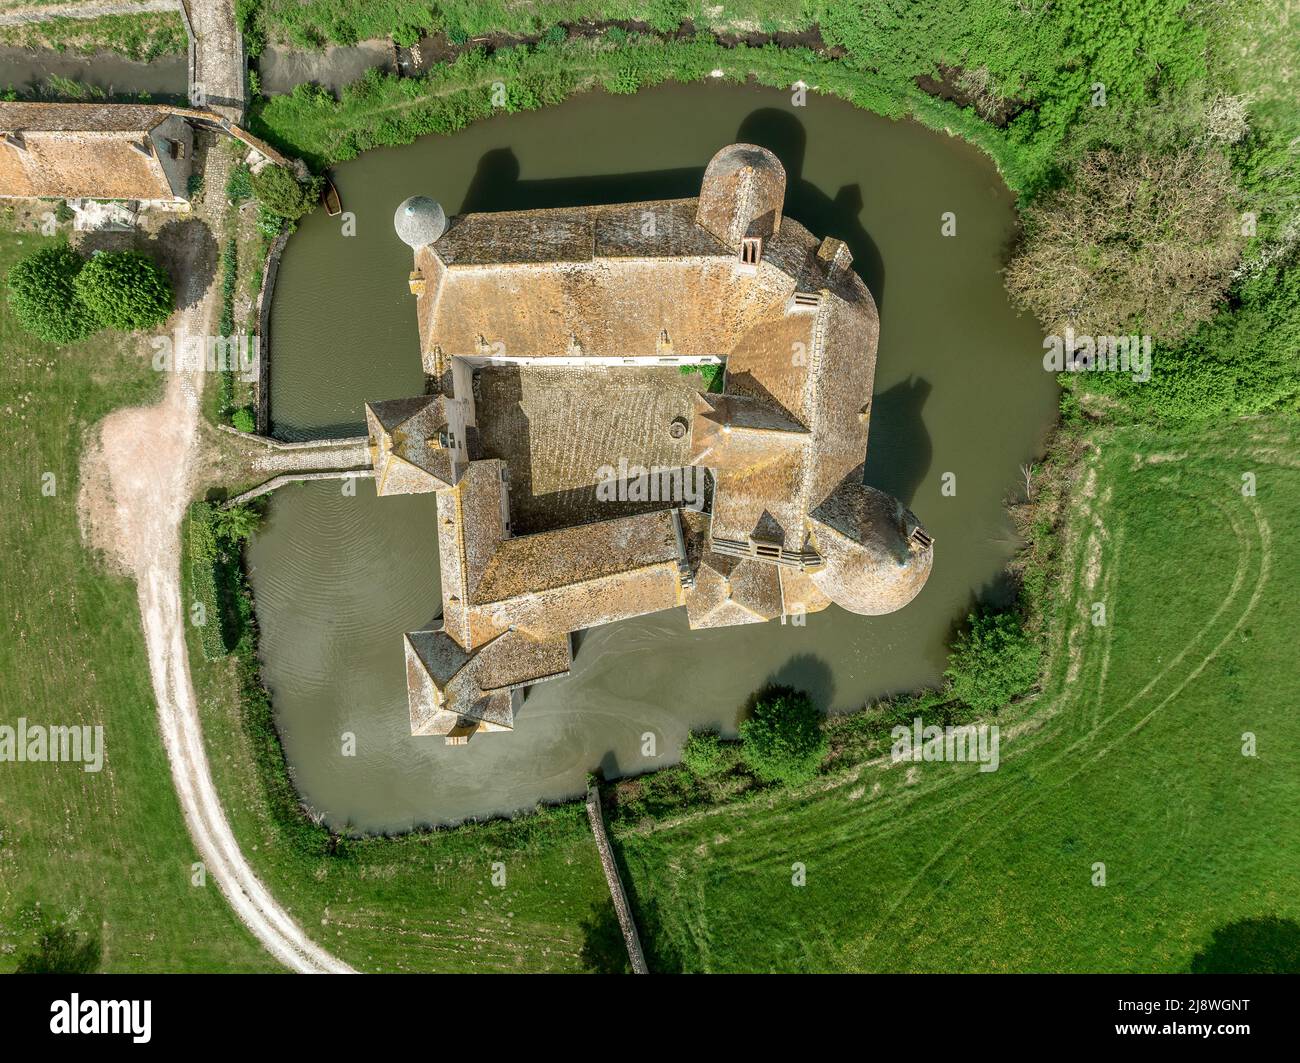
384,110
1015,81
144,37
1131,756
421,901
311,23
104,854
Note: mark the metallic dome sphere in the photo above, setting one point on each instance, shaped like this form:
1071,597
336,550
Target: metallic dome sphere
419,221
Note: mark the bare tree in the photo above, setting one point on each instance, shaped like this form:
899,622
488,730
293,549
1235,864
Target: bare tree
1027,471
1138,241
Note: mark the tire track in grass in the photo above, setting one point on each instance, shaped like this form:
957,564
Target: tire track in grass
1012,790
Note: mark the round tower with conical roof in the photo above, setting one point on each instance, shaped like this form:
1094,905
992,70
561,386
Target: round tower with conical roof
877,556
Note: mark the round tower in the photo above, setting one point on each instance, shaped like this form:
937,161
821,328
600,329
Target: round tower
876,552
742,194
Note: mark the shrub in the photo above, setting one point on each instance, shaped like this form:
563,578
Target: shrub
243,419
203,557
1139,242
125,290
281,193
992,661
43,295
782,741
705,754
234,525
239,185
269,224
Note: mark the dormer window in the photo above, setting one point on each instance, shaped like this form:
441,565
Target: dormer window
751,250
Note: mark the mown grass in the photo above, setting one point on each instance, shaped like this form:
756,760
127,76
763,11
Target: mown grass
106,854
1131,757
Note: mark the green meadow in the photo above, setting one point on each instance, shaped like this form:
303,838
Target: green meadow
1131,758
97,862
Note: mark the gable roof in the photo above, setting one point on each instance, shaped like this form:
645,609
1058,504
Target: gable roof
91,151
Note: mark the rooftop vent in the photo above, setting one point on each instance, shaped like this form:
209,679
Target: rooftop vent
808,300
751,250
922,538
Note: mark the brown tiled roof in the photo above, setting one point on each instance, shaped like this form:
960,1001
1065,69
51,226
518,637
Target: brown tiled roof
404,448
94,151
790,527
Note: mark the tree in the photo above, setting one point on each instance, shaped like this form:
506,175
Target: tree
782,741
1140,241
243,419
236,523
704,754
125,290
281,193
43,295
992,661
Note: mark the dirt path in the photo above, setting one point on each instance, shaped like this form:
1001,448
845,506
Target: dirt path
137,480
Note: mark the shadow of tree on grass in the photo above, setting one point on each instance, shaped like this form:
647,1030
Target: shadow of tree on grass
1263,945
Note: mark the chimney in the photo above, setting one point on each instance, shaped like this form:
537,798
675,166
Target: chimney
835,254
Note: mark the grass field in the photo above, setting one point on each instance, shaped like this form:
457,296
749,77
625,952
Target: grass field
104,854
1131,757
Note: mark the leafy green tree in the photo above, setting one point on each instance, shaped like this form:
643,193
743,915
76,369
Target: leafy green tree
242,419
43,295
236,523
125,290
280,192
783,741
992,661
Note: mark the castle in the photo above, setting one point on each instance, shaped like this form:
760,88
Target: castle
554,344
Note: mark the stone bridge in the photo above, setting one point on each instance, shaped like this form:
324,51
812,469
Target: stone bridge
282,463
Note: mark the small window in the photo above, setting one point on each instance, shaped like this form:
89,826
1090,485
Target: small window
751,250
176,149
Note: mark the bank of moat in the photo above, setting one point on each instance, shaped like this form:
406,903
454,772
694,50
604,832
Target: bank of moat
552,342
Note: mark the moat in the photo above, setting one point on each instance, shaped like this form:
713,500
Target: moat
959,389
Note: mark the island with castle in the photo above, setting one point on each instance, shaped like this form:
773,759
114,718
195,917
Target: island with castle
559,344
